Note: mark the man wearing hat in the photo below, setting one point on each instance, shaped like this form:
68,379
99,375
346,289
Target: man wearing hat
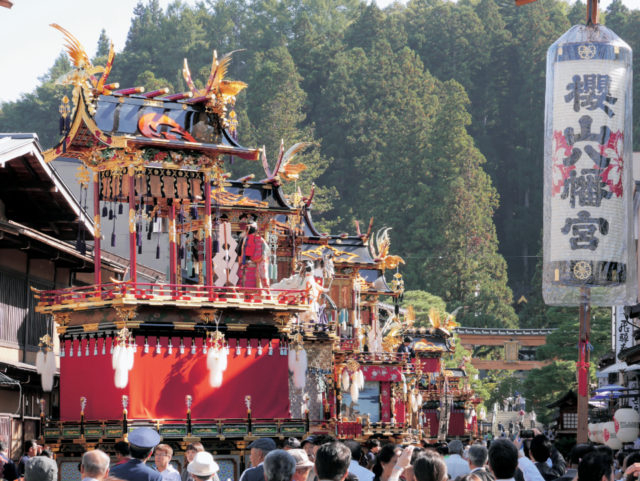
141,444
307,444
203,467
405,347
259,450
303,465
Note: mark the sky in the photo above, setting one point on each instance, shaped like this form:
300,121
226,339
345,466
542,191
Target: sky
28,46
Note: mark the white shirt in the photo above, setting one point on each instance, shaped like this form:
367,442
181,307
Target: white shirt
529,469
456,466
363,473
170,474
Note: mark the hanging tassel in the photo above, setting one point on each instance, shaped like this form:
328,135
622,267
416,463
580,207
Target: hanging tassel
113,238
360,380
217,364
115,356
49,370
129,357
355,392
345,380
111,214
298,366
194,212
120,208
158,249
104,211
291,360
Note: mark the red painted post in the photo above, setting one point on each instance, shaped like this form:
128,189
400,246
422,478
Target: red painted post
173,248
133,254
97,253
208,245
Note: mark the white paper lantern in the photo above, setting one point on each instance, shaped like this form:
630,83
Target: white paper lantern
597,433
609,436
588,183
626,421
590,433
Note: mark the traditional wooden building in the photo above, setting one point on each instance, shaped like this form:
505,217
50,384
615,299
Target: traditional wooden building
40,224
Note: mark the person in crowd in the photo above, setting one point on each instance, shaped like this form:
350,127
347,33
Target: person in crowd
595,466
189,454
30,450
259,450
8,469
162,456
279,465
456,465
503,459
94,465
629,461
477,459
203,467
307,445
385,461
527,469
405,347
332,461
429,466
372,448
541,450
41,468
363,474
141,444
303,465
578,452
291,443
122,452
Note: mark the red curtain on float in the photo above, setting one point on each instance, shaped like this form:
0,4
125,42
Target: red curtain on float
456,424
431,417
159,383
400,411
429,364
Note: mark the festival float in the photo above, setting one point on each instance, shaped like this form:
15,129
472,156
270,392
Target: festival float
263,327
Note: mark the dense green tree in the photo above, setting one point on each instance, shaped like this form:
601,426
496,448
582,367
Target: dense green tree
38,111
545,385
104,44
422,303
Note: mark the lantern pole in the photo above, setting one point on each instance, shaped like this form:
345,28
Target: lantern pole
582,366
592,12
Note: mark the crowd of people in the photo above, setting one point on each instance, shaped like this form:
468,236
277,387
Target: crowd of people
322,458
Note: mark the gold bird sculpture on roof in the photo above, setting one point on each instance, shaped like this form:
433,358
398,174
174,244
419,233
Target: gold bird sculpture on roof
216,85
380,250
84,70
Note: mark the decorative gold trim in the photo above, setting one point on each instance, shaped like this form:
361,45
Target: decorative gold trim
184,326
240,326
92,327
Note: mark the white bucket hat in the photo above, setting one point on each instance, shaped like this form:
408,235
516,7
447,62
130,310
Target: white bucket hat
203,465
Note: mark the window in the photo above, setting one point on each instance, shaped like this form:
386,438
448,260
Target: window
570,421
368,403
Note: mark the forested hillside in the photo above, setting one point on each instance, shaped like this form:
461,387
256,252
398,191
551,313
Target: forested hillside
427,116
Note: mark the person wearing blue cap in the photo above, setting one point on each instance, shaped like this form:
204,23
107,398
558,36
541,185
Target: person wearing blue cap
259,450
141,444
